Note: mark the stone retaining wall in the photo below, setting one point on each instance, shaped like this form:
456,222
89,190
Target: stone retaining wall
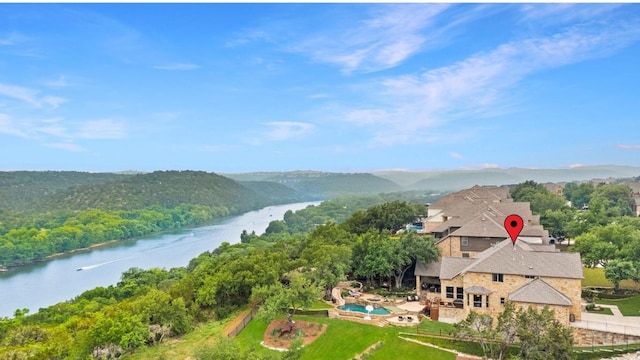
590,337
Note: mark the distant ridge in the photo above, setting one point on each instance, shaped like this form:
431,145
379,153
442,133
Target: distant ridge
323,184
461,179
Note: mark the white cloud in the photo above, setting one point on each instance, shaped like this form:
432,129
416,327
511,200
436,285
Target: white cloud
404,107
13,38
576,165
58,83
285,130
564,12
629,147
100,129
456,155
65,146
30,96
177,67
387,38
480,166
8,127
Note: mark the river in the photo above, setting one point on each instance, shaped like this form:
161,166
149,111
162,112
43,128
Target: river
43,284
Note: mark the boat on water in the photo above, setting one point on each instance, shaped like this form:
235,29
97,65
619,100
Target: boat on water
3,269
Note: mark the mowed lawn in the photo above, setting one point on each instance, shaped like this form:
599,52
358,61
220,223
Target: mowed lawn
628,307
595,277
346,339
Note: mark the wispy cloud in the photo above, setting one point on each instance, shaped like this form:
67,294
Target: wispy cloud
13,38
629,147
285,130
480,166
388,37
177,67
576,165
30,96
65,146
58,83
456,155
564,12
101,129
7,126
405,106
248,36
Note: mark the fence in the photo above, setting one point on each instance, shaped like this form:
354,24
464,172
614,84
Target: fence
245,320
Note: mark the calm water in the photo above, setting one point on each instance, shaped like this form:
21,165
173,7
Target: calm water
44,284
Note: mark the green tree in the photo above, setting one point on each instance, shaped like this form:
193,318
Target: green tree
542,337
540,198
373,255
409,248
618,270
391,216
278,298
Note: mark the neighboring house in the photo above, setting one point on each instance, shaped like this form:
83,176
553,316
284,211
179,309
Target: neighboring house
470,221
526,274
635,191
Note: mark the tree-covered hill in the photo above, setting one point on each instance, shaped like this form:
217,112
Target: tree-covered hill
167,189
325,184
19,188
277,193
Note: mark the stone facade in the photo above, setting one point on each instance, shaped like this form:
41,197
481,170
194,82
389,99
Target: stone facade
501,290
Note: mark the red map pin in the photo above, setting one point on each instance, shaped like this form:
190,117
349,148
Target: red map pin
513,224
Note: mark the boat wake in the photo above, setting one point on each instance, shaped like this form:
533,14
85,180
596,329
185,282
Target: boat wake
89,267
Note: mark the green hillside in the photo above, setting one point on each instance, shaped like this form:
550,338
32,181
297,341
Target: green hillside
19,188
167,189
325,184
276,193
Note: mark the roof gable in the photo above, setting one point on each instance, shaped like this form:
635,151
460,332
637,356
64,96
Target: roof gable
539,292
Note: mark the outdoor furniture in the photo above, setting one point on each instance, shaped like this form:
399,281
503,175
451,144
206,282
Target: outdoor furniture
409,318
400,318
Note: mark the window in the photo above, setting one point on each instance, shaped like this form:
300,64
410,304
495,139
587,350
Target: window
487,301
530,277
465,255
449,292
464,241
498,277
460,293
477,301
501,301
467,299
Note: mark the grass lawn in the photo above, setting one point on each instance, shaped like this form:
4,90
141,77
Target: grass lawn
345,339
628,307
320,305
595,277
185,347
602,311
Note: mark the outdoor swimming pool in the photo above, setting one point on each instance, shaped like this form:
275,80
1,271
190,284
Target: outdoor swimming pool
361,309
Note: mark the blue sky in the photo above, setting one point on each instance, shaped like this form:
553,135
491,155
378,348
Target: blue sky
330,87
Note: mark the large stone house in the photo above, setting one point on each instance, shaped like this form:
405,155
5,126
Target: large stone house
526,274
480,268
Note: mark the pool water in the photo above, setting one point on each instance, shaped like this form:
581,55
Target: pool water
362,309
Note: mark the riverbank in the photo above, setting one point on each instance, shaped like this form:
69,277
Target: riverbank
46,283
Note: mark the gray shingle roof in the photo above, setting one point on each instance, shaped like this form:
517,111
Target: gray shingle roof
539,292
452,266
522,259
432,269
478,290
